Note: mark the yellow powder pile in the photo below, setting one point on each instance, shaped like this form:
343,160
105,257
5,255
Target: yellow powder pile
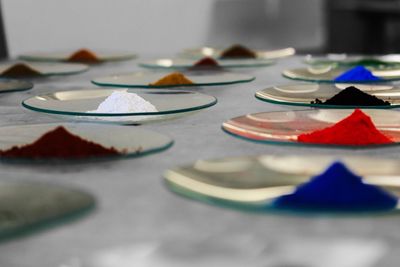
175,78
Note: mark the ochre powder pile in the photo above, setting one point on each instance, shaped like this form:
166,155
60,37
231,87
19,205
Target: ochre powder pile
175,78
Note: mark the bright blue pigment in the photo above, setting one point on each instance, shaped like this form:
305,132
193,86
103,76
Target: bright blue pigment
357,74
337,189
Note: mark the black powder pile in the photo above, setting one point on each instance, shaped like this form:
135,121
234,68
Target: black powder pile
352,96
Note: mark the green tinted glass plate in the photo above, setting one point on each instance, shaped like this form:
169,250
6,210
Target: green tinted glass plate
64,55
303,94
283,127
328,74
47,69
216,53
380,61
77,103
251,183
12,85
143,79
28,206
135,141
180,63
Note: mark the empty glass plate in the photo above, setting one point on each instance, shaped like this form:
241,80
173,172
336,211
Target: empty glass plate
29,206
378,61
180,63
78,103
328,73
11,85
283,127
133,141
304,94
251,183
143,79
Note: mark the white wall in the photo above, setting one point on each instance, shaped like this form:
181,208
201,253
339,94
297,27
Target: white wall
149,26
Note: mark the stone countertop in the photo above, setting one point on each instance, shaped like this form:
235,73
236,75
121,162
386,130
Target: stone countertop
139,222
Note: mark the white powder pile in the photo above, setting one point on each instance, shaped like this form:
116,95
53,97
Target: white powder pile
124,102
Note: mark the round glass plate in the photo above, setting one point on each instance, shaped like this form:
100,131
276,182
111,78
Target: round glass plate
389,60
77,103
328,73
134,141
304,94
47,69
283,127
251,183
180,63
27,206
143,79
103,56
216,53
11,85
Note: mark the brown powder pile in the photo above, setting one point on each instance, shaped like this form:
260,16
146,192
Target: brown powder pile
20,70
175,78
237,51
85,56
59,144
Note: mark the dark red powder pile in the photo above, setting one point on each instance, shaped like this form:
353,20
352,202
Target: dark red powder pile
237,51
354,130
206,63
59,144
352,96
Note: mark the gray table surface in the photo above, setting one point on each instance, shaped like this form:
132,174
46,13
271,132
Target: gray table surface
138,222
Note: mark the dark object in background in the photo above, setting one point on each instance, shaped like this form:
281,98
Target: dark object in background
363,26
352,96
3,42
237,51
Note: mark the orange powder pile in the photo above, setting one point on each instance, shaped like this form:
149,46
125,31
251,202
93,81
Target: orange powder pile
84,55
175,78
20,70
356,129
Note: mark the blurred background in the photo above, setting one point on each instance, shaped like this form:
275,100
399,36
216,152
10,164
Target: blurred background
167,26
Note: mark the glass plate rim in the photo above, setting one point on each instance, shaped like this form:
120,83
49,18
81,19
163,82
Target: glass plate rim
288,76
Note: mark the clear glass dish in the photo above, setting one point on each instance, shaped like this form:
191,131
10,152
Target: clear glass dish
390,60
143,79
304,94
47,69
12,85
77,103
252,182
181,63
103,56
27,206
283,127
216,52
134,141
328,73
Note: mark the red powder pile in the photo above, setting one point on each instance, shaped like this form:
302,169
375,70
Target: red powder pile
84,55
206,63
356,129
61,144
20,70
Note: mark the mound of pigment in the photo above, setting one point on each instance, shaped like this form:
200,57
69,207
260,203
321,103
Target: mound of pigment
124,102
237,51
206,63
357,74
354,130
20,70
85,56
352,96
337,189
175,78
59,144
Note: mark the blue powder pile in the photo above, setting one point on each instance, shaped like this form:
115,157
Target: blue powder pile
357,74
337,189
